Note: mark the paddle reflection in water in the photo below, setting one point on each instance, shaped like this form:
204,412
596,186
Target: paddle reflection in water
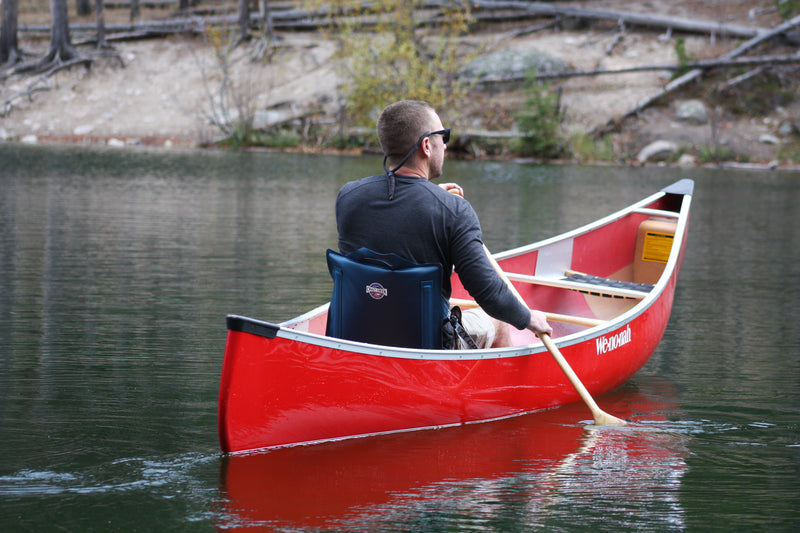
529,471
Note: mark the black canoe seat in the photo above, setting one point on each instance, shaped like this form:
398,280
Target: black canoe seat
385,299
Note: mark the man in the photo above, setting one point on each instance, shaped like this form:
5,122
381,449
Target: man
402,212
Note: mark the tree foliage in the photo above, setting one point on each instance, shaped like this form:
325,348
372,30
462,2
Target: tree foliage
395,49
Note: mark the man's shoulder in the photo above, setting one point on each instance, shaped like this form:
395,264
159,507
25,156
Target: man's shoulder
364,181
359,183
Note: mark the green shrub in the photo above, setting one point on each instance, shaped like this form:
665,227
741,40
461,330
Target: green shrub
586,147
540,121
788,8
718,154
684,58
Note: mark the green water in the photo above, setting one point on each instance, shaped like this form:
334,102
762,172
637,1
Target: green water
117,270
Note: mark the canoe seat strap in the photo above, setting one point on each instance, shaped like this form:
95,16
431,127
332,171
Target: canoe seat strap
385,299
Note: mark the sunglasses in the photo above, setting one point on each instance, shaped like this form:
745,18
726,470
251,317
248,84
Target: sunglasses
445,133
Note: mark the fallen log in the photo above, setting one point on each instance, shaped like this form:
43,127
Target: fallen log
296,19
695,73
625,17
702,64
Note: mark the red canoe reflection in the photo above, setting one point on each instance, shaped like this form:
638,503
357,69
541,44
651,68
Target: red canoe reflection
324,486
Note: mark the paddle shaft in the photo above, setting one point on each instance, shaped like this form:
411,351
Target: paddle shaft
600,416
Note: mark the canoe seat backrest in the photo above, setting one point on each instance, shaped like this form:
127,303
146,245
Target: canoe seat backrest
385,299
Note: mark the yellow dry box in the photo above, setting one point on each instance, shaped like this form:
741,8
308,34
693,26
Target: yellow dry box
653,246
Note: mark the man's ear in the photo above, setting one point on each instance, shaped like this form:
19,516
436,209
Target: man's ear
426,146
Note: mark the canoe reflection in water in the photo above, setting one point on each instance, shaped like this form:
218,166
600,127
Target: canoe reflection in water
540,469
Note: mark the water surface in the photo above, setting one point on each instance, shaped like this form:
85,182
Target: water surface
117,269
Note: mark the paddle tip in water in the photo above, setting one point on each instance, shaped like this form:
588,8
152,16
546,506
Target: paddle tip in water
604,419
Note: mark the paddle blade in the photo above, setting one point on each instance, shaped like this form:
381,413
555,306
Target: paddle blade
601,418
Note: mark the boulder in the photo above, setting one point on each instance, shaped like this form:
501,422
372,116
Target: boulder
687,161
692,112
767,138
658,151
788,127
510,64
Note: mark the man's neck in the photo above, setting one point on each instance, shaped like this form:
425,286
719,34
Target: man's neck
412,170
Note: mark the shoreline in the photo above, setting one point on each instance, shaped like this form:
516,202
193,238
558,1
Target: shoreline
155,94
171,143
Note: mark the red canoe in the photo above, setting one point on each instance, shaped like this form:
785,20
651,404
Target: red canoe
608,288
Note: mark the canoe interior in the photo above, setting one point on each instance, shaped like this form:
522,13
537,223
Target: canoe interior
606,250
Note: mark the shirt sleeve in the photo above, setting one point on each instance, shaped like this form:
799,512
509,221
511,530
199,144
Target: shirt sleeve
478,275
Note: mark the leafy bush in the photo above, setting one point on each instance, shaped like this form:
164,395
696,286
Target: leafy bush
788,8
540,121
684,58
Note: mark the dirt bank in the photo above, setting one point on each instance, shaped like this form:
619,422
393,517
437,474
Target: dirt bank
160,91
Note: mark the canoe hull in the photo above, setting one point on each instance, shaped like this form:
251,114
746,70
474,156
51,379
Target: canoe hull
285,385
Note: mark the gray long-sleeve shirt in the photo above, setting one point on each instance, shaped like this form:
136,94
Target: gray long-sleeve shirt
425,224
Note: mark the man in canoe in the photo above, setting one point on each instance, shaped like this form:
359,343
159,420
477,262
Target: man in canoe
402,212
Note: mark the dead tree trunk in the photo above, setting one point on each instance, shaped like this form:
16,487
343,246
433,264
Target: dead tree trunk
101,25
244,20
61,48
9,47
83,7
136,12
266,18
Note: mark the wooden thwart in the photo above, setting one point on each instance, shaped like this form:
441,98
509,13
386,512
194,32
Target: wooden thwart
589,288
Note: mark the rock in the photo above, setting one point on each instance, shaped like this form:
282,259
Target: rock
766,138
687,161
692,112
787,128
265,118
116,143
657,151
83,130
4,134
511,64
30,139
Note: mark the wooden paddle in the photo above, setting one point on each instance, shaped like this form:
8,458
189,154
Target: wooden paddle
601,418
